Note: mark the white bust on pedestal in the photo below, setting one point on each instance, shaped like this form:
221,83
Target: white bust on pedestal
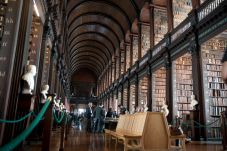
29,78
44,92
133,109
194,102
145,108
164,109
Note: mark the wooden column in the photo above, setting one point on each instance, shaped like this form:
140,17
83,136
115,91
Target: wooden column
170,15
136,90
149,92
197,77
128,94
169,89
198,89
18,58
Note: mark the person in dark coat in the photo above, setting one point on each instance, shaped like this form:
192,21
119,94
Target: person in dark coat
89,117
122,109
109,113
99,118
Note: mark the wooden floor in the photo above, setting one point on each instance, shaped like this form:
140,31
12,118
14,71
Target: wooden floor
81,141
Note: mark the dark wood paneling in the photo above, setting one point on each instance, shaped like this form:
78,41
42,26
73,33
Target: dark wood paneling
20,60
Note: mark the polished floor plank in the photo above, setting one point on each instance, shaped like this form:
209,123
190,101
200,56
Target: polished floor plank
81,141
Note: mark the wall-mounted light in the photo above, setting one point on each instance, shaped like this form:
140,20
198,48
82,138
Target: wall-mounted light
36,8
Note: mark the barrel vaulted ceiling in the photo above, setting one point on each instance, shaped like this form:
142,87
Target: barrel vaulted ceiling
95,30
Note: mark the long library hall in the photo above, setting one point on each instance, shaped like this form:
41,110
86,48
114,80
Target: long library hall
113,75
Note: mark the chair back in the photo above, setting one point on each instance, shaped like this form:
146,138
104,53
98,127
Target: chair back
121,122
139,123
156,132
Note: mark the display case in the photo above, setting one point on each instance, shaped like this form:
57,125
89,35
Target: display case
145,39
135,49
182,85
158,88
215,90
132,98
143,90
160,24
181,8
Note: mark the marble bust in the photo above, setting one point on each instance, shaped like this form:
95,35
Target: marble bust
165,109
28,80
44,93
145,108
194,102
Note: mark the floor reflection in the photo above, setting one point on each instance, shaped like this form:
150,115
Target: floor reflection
79,140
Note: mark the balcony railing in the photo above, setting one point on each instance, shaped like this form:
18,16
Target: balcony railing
207,7
144,59
157,48
180,29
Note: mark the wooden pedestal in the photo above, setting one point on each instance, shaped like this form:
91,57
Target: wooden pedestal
194,116
25,105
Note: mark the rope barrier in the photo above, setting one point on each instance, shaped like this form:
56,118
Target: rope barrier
58,120
197,124
16,121
16,141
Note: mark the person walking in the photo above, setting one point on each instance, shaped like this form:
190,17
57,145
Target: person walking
99,117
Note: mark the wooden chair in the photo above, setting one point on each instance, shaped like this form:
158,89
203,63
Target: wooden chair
120,127
155,135
134,130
